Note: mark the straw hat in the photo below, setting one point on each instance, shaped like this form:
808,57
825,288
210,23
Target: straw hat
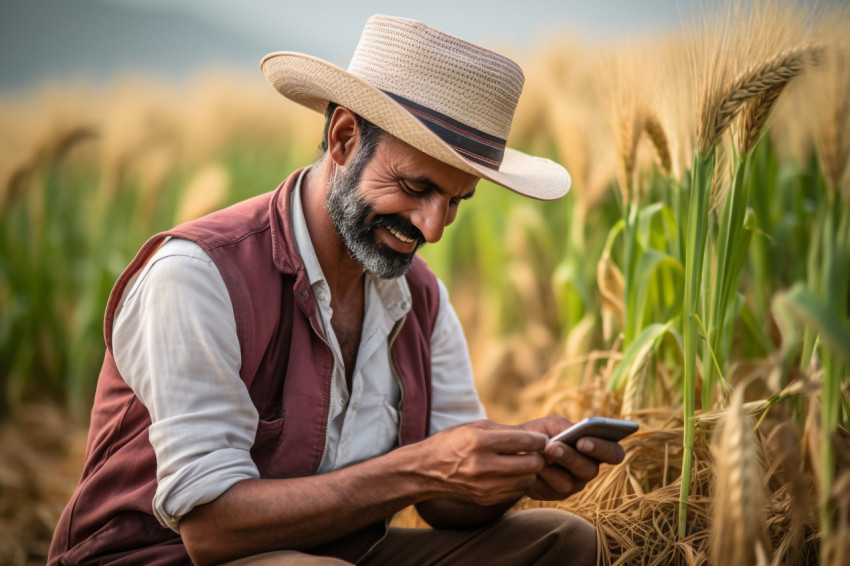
449,98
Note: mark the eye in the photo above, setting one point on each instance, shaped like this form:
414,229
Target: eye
409,189
456,200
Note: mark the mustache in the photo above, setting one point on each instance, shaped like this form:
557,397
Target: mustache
399,224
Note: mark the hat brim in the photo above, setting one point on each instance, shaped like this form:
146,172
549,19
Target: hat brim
313,83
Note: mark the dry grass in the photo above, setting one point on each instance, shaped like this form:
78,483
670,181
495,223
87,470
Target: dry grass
635,504
41,458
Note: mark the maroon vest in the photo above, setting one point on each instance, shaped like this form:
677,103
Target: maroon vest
286,366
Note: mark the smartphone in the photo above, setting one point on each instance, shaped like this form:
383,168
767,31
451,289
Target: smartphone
597,427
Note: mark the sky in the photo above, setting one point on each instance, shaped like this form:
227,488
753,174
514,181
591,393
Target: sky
96,40
327,26
100,39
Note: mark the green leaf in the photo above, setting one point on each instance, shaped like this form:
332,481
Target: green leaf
801,305
636,354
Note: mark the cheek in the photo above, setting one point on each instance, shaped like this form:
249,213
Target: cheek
395,204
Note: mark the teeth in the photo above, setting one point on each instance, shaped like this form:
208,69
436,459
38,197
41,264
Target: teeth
400,236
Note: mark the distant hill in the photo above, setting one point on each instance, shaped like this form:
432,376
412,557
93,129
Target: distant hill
96,40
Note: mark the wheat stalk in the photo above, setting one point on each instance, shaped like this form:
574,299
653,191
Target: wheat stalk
721,178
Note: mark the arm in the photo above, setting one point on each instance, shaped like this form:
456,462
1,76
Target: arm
454,401
480,464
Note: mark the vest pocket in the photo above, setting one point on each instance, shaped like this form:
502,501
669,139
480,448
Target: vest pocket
266,443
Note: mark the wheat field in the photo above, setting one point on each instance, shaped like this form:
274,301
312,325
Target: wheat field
695,279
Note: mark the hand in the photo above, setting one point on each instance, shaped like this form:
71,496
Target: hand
568,469
484,462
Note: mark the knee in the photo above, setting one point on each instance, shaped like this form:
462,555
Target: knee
566,534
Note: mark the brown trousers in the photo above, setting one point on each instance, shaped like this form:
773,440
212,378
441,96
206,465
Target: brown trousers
541,537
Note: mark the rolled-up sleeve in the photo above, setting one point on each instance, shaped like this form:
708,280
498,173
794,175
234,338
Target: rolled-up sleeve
454,399
176,346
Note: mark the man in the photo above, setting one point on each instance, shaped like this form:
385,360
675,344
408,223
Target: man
281,377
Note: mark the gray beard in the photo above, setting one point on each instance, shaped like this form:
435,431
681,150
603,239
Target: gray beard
349,212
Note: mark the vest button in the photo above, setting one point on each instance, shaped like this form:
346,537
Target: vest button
302,295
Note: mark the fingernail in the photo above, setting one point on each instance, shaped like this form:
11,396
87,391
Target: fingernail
559,451
586,445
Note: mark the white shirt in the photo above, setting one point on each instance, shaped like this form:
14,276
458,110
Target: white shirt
175,344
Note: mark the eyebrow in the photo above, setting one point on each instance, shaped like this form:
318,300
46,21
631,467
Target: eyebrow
430,184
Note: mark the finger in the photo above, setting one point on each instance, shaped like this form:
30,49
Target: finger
560,481
602,450
550,426
515,441
579,465
513,465
541,491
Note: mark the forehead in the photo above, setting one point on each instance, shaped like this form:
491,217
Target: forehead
412,164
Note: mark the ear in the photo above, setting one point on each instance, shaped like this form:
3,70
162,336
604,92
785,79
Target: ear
343,136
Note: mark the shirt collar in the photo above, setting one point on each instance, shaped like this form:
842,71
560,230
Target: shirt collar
394,294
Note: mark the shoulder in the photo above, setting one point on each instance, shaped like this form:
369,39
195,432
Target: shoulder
177,265
228,225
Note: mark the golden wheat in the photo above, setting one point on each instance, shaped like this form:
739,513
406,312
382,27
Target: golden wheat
783,447
655,132
738,504
830,91
722,107
754,116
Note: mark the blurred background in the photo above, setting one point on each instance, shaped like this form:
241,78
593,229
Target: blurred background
99,40
696,278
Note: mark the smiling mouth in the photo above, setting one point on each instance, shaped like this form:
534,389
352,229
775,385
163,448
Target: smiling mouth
400,236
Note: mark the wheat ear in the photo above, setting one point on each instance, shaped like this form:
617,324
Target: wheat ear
738,519
627,141
754,116
655,132
835,149
719,111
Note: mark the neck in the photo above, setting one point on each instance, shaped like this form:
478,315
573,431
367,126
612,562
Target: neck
343,274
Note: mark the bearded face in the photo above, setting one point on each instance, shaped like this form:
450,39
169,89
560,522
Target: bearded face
355,222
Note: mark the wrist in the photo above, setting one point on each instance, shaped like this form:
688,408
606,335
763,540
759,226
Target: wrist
416,468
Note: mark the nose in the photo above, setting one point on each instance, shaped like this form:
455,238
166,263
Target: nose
431,219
